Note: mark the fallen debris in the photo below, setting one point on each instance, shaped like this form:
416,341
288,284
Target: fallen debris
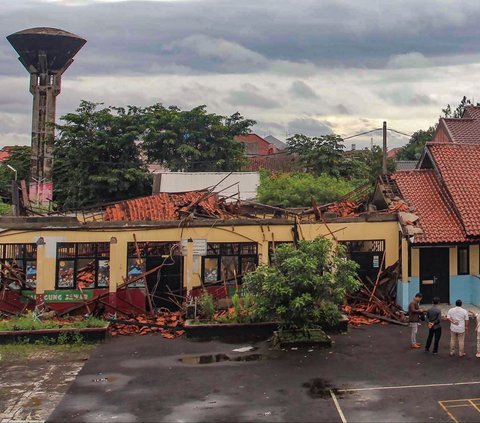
168,324
375,302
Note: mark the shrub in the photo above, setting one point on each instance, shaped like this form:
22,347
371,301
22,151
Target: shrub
305,286
207,305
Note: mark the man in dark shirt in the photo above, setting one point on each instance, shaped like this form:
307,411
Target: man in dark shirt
414,313
434,327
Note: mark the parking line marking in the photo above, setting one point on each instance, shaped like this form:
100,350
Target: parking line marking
337,405
431,385
448,412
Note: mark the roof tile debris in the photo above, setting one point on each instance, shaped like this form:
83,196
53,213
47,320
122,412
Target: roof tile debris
168,206
429,201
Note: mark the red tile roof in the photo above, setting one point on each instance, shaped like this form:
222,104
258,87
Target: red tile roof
463,130
391,154
165,206
459,168
4,155
423,192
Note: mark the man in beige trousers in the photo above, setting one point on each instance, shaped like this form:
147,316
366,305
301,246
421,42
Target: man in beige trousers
458,318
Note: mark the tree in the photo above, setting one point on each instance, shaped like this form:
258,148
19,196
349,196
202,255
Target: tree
318,155
365,165
458,112
305,286
19,159
413,150
298,189
194,140
96,157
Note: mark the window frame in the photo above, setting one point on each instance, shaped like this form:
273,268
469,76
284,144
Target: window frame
24,258
467,264
237,248
96,257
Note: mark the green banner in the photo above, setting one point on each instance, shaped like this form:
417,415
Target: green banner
62,295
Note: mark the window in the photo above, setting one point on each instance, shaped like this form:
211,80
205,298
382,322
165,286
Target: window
369,255
229,261
272,247
138,253
20,259
463,262
85,262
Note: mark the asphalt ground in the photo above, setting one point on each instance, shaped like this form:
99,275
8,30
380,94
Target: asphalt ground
369,375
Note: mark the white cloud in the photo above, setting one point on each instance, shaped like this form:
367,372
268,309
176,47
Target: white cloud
413,59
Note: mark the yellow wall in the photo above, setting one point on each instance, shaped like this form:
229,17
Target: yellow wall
415,262
453,261
262,234
474,260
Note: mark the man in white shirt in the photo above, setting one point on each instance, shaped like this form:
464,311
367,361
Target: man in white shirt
458,318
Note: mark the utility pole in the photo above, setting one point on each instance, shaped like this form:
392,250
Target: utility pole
384,152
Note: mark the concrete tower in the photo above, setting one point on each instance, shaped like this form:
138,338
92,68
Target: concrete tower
45,53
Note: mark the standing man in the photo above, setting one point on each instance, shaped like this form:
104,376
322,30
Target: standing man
414,313
458,318
434,326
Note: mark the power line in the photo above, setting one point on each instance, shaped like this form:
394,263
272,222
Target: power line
401,133
361,133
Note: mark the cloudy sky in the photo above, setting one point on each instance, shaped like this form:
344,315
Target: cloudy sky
297,66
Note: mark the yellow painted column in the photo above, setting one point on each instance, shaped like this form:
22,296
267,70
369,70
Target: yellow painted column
188,267
404,260
453,261
474,259
263,253
42,284
415,260
118,263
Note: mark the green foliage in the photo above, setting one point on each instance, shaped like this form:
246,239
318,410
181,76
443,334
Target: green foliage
318,155
414,149
325,155
206,305
193,140
305,286
458,112
20,160
297,189
27,322
96,157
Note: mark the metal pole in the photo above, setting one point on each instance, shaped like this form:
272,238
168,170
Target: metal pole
384,152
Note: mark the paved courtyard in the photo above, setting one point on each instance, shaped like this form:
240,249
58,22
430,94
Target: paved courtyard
370,375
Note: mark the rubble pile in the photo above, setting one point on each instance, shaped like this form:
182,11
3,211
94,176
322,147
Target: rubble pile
375,302
168,324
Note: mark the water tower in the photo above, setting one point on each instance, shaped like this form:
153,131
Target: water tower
46,53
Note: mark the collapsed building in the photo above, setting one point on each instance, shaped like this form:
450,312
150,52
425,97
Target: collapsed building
418,232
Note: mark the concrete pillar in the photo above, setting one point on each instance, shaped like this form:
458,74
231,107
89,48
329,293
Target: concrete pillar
404,262
453,261
263,253
415,262
474,259
188,267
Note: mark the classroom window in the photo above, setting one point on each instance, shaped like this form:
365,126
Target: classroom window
87,263
20,261
228,262
463,261
139,252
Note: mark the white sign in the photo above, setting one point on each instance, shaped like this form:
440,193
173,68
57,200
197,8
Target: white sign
199,247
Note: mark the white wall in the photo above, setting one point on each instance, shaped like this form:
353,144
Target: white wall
193,181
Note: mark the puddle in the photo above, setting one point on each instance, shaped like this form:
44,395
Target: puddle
218,358
319,388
